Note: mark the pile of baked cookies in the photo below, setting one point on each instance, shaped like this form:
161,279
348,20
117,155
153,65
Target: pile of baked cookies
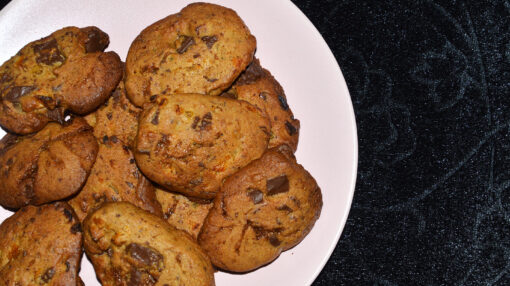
162,168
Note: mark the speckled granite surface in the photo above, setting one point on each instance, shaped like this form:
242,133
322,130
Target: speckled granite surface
430,84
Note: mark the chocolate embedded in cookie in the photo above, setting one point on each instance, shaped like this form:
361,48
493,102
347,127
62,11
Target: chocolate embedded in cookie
202,50
46,166
129,246
190,143
116,117
183,213
41,246
66,71
257,86
115,177
267,207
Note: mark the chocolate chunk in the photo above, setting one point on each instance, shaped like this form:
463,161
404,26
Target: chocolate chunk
277,185
57,114
263,95
209,40
253,73
130,185
186,43
255,195
5,78
290,128
114,139
210,79
206,121
48,275
68,266
68,214
283,102
135,277
150,69
76,228
96,41
285,208
47,101
229,95
105,139
18,91
155,119
109,115
48,52
144,255
274,241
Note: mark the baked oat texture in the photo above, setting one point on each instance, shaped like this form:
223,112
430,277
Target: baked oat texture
129,246
267,207
182,212
257,86
115,177
66,71
41,246
49,165
189,143
202,49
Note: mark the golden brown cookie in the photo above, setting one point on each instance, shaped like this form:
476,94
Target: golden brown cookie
46,166
202,49
183,213
267,207
257,86
41,246
65,71
116,117
129,246
190,143
115,177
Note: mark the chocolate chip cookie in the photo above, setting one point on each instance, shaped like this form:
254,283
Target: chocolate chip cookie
183,213
41,246
66,71
115,177
257,86
189,143
46,166
202,50
267,207
129,246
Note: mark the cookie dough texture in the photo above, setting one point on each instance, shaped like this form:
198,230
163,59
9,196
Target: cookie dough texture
129,246
116,117
41,246
46,166
183,213
190,143
202,50
66,71
267,207
257,86
115,177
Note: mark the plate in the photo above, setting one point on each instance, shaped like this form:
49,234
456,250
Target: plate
292,49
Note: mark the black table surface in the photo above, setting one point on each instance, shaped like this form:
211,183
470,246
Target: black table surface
430,85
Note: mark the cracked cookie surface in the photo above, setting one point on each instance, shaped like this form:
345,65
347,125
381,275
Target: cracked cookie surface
66,71
49,165
202,50
129,246
267,207
41,246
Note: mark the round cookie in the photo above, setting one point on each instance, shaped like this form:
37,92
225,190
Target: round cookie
267,207
129,246
189,143
63,72
116,117
202,50
257,86
41,246
46,166
183,213
115,177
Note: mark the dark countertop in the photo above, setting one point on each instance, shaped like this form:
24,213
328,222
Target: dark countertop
430,84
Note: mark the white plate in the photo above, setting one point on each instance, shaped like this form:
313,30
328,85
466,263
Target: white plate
295,53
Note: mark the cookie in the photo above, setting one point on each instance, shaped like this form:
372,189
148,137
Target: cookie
129,246
41,246
116,117
183,213
257,86
115,177
202,50
66,71
267,207
46,166
189,143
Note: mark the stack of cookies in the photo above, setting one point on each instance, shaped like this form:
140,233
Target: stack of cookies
165,168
